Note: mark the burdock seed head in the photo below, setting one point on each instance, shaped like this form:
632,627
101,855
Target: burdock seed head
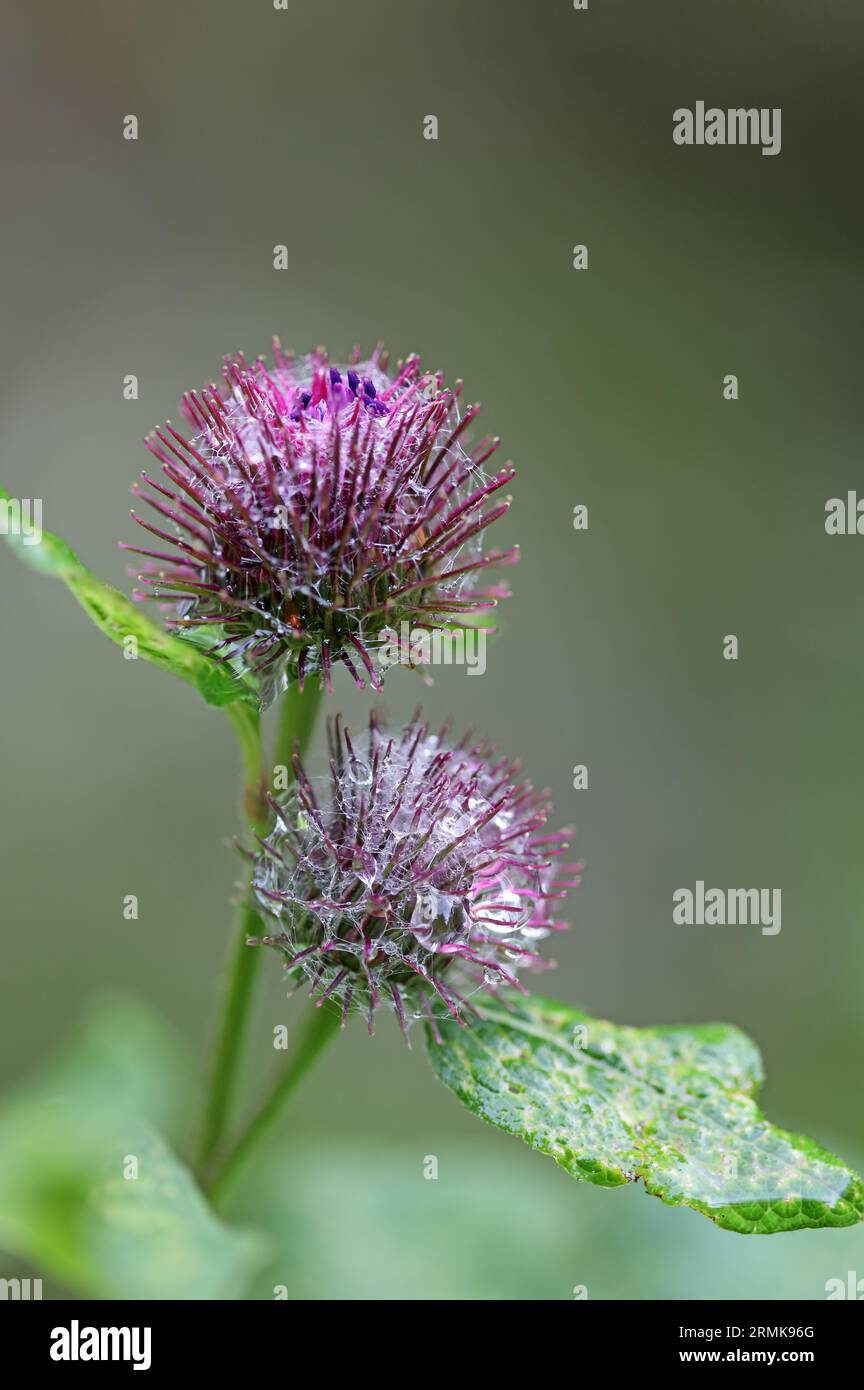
311,506
414,875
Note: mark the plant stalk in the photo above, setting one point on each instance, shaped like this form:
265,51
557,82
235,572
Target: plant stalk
319,1026
297,717
247,726
297,721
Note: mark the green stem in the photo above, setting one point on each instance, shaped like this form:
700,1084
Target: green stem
296,724
247,726
237,990
319,1026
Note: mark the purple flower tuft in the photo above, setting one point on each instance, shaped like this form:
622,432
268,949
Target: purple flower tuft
416,874
314,506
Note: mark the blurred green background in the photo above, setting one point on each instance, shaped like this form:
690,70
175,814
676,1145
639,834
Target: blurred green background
154,257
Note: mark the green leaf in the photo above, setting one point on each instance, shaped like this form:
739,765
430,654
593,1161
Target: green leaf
118,617
91,1195
670,1106
123,1055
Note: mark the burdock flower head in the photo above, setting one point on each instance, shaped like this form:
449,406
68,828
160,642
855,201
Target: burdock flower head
314,506
416,874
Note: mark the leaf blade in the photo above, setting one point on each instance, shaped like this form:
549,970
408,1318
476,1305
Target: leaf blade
672,1107
119,618
71,1203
